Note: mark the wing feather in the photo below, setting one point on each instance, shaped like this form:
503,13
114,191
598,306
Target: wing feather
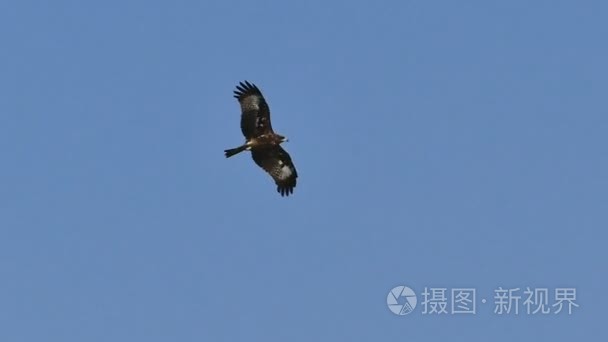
255,114
278,164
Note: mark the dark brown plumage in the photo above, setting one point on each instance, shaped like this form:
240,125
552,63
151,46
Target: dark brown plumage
261,140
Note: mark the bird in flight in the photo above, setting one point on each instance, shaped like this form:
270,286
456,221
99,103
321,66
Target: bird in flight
261,140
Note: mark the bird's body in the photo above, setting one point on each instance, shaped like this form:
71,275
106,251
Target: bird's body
261,140
265,140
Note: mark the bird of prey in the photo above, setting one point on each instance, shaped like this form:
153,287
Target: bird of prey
261,140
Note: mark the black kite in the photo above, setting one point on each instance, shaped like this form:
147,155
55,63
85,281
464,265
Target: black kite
261,140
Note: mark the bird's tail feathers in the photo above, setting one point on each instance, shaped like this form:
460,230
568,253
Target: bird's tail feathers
229,153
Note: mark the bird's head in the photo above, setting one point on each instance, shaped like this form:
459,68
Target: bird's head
283,139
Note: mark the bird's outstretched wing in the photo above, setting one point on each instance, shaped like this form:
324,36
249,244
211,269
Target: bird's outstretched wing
255,114
277,162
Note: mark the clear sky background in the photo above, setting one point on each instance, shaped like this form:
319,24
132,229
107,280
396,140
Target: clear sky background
439,144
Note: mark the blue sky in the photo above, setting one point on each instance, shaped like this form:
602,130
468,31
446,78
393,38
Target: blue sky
439,144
